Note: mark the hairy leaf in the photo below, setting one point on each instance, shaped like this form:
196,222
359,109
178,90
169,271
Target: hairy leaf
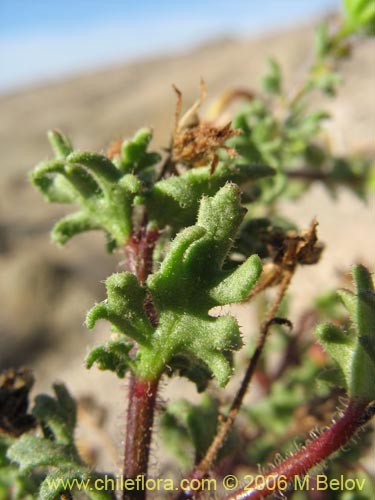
354,352
188,284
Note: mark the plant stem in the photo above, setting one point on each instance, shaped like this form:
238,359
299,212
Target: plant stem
139,250
292,355
142,393
357,413
140,416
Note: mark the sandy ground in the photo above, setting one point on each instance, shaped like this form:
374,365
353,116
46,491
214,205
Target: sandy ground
45,291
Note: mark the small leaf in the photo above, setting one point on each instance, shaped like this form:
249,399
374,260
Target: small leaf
103,170
237,285
192,367
190,281
124,307
365,312
175,201
194,425
113,356
71,225
60,144
355,352
104,194
134,155
349,300
339,346
67,185
58,414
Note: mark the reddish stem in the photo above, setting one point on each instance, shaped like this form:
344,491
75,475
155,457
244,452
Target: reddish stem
140,416
139,250
142,393
355,415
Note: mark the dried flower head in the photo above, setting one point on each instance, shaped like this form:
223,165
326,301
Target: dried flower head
15,386
288,249
195,143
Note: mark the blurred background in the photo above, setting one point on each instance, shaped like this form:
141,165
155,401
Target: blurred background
99,70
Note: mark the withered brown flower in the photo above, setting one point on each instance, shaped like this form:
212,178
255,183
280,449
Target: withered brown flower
195,143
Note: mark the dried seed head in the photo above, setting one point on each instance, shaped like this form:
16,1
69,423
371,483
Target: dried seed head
15,386
195,143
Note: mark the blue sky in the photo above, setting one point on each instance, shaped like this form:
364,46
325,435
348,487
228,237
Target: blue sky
42,40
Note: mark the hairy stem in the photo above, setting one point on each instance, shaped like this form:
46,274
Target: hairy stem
357,413
140,416
142,393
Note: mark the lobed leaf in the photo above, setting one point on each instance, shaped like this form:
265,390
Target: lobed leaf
123,308
104,191
113,356
175,201
190,281
134,156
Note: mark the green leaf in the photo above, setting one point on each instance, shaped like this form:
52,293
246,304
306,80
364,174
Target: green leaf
104,192
365,311
53,462
31,452
339,346
56,482
185,425
58,182
60,144
100,167
71,225
360,14
58,414
235,287
134,156
324,79
191,367
175,201
190,281
14,483
354,352
124,308
113,356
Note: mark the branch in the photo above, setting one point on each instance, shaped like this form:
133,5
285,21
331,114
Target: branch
142,393
357,413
